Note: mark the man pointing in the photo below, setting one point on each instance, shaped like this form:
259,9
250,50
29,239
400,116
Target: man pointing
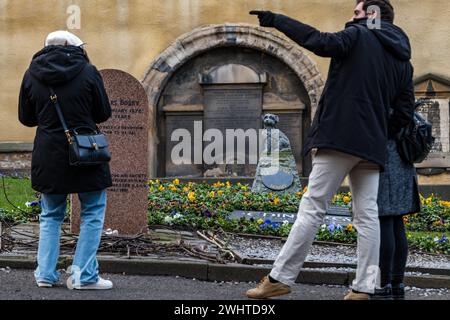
370,72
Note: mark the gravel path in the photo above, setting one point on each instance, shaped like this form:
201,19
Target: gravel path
269,249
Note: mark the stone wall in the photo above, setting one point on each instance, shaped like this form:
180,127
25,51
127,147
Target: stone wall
130,34
15,164
133,36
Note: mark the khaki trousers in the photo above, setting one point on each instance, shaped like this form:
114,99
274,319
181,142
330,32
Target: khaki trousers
329,171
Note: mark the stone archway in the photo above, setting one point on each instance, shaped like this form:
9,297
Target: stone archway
207,38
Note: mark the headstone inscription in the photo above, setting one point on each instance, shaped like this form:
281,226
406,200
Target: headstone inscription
127,132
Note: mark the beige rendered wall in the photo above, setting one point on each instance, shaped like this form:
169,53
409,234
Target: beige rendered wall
129,34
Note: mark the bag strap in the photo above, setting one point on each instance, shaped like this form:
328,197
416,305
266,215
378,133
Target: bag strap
54,99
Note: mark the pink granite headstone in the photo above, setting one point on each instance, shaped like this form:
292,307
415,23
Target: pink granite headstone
127,132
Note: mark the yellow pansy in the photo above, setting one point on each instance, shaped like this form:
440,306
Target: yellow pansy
186,189
228,184
246,194
176,182
220,192
276,201
346,199
212,194
161,188
349,227
191,196
172,187
260,221
445,204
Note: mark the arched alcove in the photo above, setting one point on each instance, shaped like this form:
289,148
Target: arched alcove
237,54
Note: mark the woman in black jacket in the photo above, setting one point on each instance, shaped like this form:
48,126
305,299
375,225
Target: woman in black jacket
64,65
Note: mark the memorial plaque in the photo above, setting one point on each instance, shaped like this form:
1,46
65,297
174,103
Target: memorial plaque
127,131
336,215
276,217
279,181
338,211
234,107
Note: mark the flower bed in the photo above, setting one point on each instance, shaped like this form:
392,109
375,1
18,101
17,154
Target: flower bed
203,206
434,216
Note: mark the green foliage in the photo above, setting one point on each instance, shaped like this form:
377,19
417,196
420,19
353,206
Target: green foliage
20,194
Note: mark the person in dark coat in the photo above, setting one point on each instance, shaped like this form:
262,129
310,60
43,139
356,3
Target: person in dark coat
83,99
64,65
398,196
370,72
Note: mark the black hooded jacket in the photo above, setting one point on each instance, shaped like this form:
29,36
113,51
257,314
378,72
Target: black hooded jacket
83,101
370,73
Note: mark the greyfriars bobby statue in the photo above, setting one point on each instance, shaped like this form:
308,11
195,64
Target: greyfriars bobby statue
277,169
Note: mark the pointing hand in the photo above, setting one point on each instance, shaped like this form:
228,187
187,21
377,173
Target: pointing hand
266,18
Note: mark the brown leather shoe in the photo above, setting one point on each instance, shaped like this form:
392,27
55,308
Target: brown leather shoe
356,296
267,289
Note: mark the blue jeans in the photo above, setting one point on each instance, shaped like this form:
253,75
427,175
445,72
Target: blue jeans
93,205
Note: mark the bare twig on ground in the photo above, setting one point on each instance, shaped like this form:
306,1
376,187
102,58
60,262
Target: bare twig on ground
20,239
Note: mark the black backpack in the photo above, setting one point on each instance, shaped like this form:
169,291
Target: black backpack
415,141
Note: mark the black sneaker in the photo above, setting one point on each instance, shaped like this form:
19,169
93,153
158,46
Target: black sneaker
383,293
398,291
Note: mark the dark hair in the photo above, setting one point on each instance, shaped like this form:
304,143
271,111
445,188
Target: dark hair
386,8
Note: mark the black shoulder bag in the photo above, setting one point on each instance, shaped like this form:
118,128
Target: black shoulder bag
84,149
415,141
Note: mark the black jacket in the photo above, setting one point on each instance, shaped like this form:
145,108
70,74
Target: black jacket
84,102
370,72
